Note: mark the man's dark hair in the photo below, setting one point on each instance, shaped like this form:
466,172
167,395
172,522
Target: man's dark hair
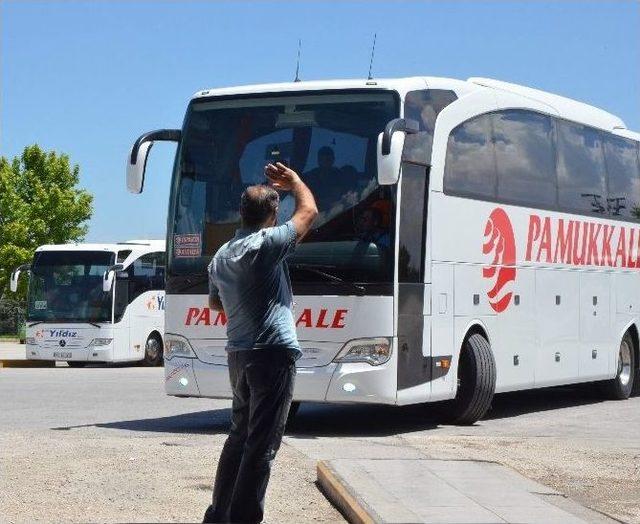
257,204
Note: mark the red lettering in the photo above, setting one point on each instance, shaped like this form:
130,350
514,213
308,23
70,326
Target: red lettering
545,241
593,257
305,319
606,246
579,260
621,250
321,317
630,261
191,314
221,319
564,241
205,317
338,318
534,233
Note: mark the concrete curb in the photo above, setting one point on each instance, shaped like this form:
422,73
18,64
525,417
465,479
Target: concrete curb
352,507
24,363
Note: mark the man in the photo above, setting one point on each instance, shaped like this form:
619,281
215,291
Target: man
248,280
369,228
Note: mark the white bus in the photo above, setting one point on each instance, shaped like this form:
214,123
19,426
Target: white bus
474,237
96,302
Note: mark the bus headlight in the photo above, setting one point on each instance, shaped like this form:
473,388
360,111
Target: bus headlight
97,342
31,341
175,346
374,351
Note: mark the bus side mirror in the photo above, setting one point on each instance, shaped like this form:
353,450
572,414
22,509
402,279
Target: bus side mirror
390,147
13,283
107,279
137,159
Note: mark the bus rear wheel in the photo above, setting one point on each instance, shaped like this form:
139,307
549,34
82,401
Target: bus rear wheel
476,381
620,387
153,351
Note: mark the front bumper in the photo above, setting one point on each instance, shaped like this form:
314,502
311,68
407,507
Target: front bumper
355,382
87,354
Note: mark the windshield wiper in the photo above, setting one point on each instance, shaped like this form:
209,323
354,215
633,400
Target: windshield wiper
36,323
328,276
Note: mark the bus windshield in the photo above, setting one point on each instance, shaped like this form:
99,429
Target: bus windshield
329,139
67,286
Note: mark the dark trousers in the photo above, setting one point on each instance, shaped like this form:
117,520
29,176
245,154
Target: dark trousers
262,383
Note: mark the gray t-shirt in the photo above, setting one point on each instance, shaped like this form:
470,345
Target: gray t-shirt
250,276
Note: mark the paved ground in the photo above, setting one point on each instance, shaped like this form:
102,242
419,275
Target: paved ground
105,444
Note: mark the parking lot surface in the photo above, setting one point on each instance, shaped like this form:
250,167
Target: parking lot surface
106,444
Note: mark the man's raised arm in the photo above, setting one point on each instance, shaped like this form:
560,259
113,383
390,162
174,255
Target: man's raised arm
306,211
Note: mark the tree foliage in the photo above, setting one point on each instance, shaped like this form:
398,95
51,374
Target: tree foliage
40,203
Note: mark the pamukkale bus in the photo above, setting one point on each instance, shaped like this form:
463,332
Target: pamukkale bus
474,237
96,302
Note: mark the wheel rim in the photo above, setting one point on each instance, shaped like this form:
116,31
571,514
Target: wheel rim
152,348
624,363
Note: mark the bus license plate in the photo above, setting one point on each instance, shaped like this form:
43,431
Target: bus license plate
61,354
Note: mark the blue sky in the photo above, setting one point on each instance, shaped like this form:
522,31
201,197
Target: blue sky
86,78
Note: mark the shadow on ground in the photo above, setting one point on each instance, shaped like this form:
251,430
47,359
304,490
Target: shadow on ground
316,420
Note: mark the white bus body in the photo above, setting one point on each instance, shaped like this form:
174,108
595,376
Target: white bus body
511,240
96,302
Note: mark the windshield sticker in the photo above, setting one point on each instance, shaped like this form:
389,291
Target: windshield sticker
187,245
40,304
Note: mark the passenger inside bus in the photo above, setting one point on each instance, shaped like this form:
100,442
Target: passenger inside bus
325,180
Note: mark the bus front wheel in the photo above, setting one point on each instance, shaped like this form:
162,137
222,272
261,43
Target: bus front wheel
476,381
153,350
620,387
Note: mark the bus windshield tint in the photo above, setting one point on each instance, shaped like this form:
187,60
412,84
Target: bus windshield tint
329,139
67,286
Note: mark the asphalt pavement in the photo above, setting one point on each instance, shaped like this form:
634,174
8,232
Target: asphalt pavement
106,444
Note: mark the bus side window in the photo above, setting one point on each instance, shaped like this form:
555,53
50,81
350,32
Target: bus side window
470,167
122,255
581,169
525,158
147,274
621,156
423,107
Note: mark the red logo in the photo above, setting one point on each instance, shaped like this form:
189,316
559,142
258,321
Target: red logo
499,240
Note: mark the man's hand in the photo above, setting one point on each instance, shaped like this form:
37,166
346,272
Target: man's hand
285,179
281,177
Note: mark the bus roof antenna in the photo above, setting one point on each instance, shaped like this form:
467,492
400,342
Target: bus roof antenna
297,78
373,51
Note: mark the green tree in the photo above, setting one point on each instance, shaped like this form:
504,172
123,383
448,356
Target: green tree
40,203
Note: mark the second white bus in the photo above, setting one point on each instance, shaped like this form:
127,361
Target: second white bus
474,237
96,303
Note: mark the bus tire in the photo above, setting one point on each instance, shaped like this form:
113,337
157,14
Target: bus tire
76,363
153,351
620,387
476,381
